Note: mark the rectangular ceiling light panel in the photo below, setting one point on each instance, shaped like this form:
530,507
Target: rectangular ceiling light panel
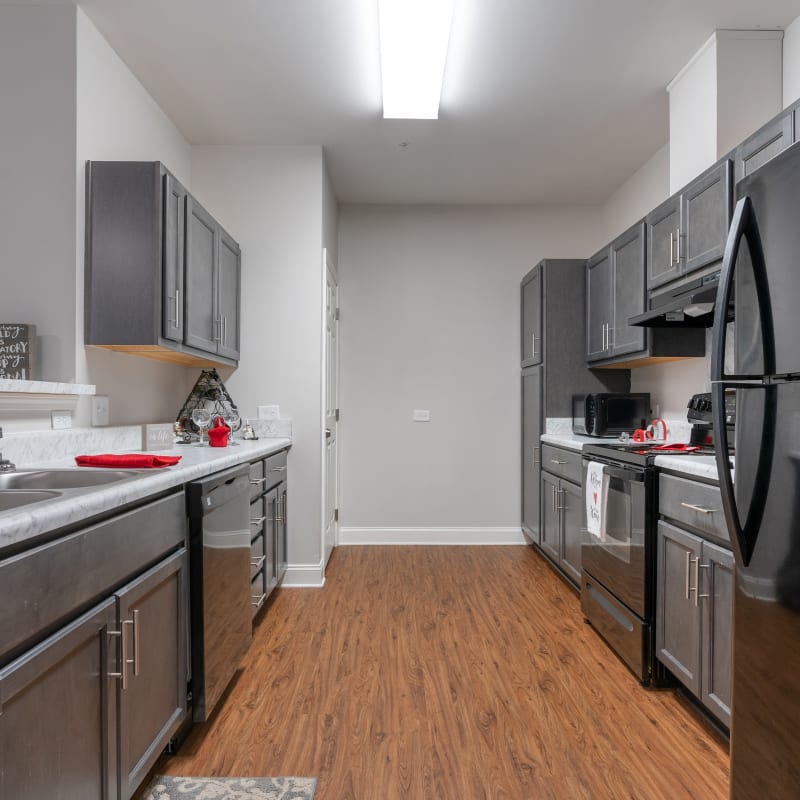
414,36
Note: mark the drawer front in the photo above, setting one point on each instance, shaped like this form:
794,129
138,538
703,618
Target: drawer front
258,516
566,463
258,592
46,585
257,481
697,505
275,469
258,555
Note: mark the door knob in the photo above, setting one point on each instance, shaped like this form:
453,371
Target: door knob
328,433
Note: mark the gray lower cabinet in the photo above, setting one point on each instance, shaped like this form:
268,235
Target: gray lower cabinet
562,524
163,278
764,144
694,615
531,449
268,526
89,699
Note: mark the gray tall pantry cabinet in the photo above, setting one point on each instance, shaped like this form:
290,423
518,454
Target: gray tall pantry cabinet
552,345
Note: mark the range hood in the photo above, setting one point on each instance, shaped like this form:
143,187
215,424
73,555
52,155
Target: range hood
690,305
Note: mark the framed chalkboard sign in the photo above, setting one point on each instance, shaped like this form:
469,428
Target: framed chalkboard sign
18,351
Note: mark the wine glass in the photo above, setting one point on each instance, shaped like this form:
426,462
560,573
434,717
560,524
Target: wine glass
202,418
232,419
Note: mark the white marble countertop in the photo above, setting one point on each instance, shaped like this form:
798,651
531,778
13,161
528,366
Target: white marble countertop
29,522
698,466
571,441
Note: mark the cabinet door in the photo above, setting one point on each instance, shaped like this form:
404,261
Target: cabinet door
628,295
678,610
281,531
717,582
230,272
598,305
705,218
663,241
763,145
202,252
531,450
173,259
153,703
573,514
531,344
550,537
58,715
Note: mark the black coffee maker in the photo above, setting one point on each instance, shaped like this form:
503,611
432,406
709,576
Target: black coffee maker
699,414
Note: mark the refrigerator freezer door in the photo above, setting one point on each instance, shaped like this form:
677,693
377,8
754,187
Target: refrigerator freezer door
774,195
765,752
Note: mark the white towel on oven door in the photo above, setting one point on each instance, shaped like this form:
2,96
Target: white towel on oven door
596,489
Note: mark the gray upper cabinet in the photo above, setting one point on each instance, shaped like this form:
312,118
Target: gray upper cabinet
628,295
531,293
688,231
163,279
598,305
663,228
764,144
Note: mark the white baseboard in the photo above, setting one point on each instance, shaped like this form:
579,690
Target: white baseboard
432,536
299,575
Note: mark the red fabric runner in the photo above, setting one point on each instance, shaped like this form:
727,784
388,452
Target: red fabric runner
127,461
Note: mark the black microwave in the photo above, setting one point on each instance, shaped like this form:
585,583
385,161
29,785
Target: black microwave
607,414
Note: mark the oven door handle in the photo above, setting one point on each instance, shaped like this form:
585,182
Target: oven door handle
623,474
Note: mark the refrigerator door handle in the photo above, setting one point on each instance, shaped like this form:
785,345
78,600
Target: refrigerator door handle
744,536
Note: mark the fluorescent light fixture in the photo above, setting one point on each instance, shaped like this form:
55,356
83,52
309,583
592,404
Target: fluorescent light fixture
414,36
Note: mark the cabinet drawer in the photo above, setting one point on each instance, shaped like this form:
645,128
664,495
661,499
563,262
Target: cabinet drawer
258,592
566,463
697,505
48,584
258,555
258,515
257,479
275,469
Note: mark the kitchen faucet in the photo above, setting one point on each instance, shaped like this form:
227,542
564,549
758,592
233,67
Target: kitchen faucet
5,464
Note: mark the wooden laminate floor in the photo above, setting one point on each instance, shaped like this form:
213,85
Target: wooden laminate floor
449,672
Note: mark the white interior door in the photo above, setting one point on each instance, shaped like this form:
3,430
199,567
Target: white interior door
331,421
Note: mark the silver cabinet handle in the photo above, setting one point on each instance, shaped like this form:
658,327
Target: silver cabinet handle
696,562
258,562
533,345
553,492
258,601
609,344
678,246
282,501
560,492
698,567
258,520
604,337
225,330
177,308
123,657
280,469
535,453
688,562
278,517
257,481
556,461
136,660
671,248
699,509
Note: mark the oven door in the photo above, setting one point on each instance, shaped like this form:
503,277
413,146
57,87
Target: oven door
616,558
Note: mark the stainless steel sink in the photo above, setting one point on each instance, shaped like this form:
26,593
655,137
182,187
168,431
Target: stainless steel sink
15,499
55,479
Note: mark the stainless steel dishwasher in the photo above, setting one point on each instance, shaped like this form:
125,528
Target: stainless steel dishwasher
219,559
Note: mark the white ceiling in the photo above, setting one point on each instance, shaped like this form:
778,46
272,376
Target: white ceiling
544,101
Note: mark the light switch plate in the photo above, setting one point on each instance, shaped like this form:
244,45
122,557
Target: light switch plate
421,415
60,420
158,436
99,411
268,412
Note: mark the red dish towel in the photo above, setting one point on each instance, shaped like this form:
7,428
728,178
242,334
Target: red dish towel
127,461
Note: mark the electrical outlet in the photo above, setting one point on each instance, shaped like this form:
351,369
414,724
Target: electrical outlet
99,410
421,415
268,412
60,420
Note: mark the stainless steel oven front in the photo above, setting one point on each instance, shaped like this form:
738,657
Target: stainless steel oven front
617,591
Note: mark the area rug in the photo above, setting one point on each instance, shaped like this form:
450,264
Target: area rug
166,787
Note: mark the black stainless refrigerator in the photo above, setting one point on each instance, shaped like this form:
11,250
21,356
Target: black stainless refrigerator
758,303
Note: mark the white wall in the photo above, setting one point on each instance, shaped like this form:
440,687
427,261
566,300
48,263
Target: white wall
118,120
693,117
430,320
791,63
271,201
37,178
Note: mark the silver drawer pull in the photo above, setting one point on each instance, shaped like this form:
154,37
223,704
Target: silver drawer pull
135,623
258,601
257,521
699,509
556,461
277,469
123,657
258,562
257,481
